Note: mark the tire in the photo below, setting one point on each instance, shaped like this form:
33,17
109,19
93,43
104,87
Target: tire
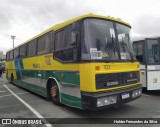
54,92
12,79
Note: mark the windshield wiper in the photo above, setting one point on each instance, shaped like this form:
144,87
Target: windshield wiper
132,59
110,49
113,48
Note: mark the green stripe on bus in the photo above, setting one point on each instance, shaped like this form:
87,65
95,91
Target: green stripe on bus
65,98
31,73
71,100
37,89
69,77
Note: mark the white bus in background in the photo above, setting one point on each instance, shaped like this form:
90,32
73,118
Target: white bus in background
147,52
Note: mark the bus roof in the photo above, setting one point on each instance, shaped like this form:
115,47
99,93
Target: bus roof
63,24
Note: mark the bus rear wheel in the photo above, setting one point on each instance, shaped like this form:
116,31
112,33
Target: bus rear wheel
12,79
54,92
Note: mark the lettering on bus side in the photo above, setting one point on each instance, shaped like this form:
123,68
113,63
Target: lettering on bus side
48,59
36,65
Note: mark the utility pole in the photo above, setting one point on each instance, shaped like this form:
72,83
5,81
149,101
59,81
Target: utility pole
13,37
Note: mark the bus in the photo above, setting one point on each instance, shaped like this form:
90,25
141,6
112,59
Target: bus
86,62
147,52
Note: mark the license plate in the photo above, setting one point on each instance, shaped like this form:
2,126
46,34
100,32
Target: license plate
125,95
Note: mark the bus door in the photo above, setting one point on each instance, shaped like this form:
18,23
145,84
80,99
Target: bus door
153,64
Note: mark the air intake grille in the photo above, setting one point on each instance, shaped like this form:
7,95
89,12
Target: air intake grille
116,79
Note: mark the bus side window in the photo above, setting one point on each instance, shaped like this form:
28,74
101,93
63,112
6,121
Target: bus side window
45,44
63,38
31,48
138,49
16,53
22,52
64,50
11,55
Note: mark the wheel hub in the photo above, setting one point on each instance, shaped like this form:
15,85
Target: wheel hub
53,91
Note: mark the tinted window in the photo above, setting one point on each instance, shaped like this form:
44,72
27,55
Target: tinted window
58,40
31,48
138,49
67,54
11,55
16,53
45,44
22,52
153,51
63,38
7,56
64,51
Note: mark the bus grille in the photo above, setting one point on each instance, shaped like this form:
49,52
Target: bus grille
116,79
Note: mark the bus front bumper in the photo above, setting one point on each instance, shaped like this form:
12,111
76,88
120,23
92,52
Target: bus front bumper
102,100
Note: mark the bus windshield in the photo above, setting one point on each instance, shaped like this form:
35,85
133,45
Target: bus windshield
126,49
153,51
100,41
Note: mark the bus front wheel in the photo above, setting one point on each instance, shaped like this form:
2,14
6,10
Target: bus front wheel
54,91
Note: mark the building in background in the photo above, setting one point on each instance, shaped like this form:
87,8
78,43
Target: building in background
2,56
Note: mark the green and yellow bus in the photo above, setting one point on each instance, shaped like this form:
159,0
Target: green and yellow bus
86,62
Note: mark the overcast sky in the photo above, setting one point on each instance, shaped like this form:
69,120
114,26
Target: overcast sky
26,18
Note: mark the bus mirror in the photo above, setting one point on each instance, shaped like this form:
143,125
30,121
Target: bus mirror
73,38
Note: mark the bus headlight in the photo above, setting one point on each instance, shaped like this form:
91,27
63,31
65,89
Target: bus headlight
136,93
106,101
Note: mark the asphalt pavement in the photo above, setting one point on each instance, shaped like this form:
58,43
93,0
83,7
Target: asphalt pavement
16,102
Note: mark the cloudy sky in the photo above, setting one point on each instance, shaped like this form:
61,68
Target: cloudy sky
26,18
